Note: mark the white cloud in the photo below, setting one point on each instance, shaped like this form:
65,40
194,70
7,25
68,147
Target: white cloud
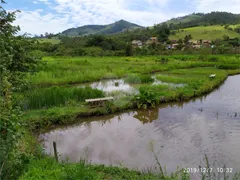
217,5
73,13
44,1
35,23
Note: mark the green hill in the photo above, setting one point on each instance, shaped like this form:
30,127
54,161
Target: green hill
200,19
117,27
205,33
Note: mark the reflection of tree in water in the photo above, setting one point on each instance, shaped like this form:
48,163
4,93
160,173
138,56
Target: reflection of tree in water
147,116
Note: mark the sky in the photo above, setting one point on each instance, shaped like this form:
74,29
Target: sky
53,16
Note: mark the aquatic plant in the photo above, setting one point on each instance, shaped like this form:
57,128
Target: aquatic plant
57,96
138,79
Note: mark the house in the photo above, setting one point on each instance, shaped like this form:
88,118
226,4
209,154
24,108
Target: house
173,41
197,46
194,42
174,46
207,42
137,43
154,39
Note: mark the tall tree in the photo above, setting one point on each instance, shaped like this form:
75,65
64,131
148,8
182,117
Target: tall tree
163,32
15,61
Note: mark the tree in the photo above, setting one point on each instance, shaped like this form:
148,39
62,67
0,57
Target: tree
163,32
187,38
15,62
226,37
129,50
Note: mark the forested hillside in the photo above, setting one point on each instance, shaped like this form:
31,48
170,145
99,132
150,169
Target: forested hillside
116,27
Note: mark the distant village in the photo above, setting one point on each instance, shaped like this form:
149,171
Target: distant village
173,44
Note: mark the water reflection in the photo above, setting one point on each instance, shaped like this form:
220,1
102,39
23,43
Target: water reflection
182,133
147,116
114,85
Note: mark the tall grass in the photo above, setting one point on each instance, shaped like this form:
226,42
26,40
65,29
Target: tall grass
57,96
138,79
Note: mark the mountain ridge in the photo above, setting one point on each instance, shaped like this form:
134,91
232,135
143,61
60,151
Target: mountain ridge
113,28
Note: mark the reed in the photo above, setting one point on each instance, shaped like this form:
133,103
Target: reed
57,96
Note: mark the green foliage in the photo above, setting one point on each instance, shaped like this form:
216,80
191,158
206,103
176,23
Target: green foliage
205,33
129,50
57,96
200,19
15,62
138,79
147,97
163,32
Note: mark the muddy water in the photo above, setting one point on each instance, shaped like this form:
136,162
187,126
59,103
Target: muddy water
181,134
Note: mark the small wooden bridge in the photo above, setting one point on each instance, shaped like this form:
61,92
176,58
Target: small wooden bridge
98,101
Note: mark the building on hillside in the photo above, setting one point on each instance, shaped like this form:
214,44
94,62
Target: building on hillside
196,46
194,42
154,39
173,41
207,42
172,46
137,43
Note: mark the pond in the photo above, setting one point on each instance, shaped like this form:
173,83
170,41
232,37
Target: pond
113,85
180,133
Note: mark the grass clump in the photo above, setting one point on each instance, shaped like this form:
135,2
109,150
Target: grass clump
57,96
138,79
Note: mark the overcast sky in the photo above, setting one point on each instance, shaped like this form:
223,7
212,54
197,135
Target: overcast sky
40,16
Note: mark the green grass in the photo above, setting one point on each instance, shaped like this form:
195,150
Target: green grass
196,82
57,96
138,79
48,168
71,70
191,70
205,33
46,40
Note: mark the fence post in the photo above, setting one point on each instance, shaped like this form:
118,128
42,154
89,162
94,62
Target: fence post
55,150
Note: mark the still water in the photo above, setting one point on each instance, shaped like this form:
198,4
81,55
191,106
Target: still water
114,85
181,134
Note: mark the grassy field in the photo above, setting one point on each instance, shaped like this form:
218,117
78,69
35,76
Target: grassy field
205,33
52,40
72,70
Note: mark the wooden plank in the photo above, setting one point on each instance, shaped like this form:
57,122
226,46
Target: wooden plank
99,99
